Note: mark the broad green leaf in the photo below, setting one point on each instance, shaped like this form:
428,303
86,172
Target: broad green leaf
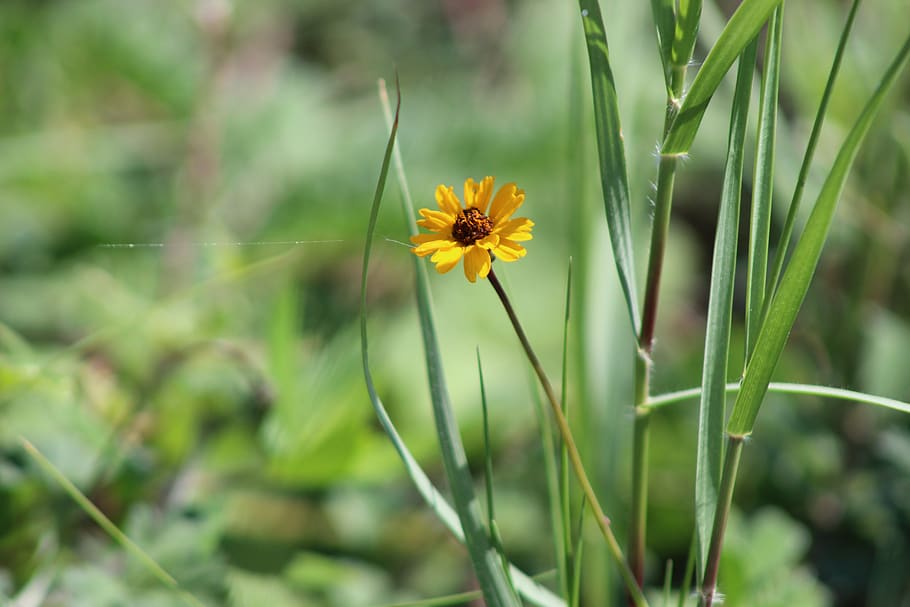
763,182
613,177
527,587
795,282
711,413
739,31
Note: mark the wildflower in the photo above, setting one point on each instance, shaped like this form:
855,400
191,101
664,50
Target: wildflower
474,232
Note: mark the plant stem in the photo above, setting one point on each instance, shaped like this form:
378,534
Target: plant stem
725,498
666,173
566,433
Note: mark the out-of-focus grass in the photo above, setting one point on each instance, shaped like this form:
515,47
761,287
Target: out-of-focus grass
208,398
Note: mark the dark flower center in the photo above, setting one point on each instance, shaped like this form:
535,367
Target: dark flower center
470,226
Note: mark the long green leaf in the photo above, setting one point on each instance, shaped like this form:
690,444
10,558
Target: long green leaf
795,282
565,504
526,586
664,22
787,231
487,566
711,413
688,15
739,31
613,177
763,182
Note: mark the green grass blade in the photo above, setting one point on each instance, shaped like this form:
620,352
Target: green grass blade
664,14
487,457
711,413
488,476
739,31
787,231
108,526
688,16
565,503
689,572
763,182
795,282
524,584
671,398
668,582
487,565
551,475
613,176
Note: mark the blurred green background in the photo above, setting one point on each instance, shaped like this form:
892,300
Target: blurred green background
184,192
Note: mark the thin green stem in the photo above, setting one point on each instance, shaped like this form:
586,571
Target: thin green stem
640,441
666,174
566,434
725,498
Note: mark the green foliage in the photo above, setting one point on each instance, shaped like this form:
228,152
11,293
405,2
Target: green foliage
761,563
202,388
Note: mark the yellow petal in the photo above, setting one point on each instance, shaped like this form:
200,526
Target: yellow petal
488,242
509,250
518,229
470,191
430,243
476,261
447,200
435,220
520,236
519,224
507,200
480,193
446,259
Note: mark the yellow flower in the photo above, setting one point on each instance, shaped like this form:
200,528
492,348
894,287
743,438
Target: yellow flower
473,232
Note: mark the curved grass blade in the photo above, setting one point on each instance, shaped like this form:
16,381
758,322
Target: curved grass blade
763,182
671,398
787,231
711,413
739,31
613,176
109,527
492,578
527,587
795,283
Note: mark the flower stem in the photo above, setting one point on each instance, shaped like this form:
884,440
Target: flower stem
725,498
574,457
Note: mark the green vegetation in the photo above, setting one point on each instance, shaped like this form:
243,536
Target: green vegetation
226,380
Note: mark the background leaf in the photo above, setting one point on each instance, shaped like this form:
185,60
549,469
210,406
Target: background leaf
745,23
795,282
